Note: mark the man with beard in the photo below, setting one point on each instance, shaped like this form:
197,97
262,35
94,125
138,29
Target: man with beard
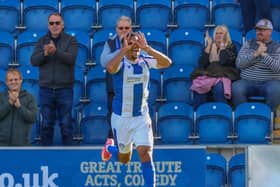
259,63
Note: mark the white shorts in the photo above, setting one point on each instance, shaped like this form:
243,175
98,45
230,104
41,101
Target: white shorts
129,130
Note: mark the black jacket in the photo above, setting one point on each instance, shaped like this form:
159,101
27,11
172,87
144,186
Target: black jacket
56,71
223,68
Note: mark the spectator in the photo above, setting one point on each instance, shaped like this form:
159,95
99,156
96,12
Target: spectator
18,112
55,55
216,69
110,50
259,62
130,120
253,10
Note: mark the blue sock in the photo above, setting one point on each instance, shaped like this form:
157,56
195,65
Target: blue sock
149,174
114,151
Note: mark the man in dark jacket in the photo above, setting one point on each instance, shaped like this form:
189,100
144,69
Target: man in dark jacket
55,55
18,111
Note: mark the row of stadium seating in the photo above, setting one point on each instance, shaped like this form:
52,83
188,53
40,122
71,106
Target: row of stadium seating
160,14
178,124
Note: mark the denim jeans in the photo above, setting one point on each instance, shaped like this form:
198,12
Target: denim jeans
216,94
270,90
56,104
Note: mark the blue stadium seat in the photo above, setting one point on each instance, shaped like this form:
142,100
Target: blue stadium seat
30,81
216,169
78,88
155,89
175,123
236,38
78,15
177,83
224,11
252,123
236,172
110,10
99,39
9,14
275,14
6,49
3,86
83,40
156,38
94,124
197,11
36,13
96,85
153,14
185,46
25,44
214,123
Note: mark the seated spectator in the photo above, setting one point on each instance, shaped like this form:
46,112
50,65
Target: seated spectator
18,111
259,62
212,79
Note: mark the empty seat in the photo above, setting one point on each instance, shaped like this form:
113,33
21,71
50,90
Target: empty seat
252,123
214,123
227,12
6,49
110,10
9,15
216,169
26,42
236,38
83,55
175,123
99,39
36,13
94,124
153,14
156,38
78,15
197,11
236,172
177,83
30,81
78,88
185,46
96,85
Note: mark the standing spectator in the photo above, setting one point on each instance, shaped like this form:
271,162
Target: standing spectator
130,119
259,62
55,55
212,80
110,50
18,112
253,10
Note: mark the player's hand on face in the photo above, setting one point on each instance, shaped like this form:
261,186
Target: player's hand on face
140,40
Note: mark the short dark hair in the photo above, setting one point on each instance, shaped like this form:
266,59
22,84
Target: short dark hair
56,14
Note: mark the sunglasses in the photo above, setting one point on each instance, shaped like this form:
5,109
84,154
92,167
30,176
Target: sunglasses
54,22
123,28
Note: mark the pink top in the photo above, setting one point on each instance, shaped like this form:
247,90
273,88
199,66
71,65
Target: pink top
203,84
